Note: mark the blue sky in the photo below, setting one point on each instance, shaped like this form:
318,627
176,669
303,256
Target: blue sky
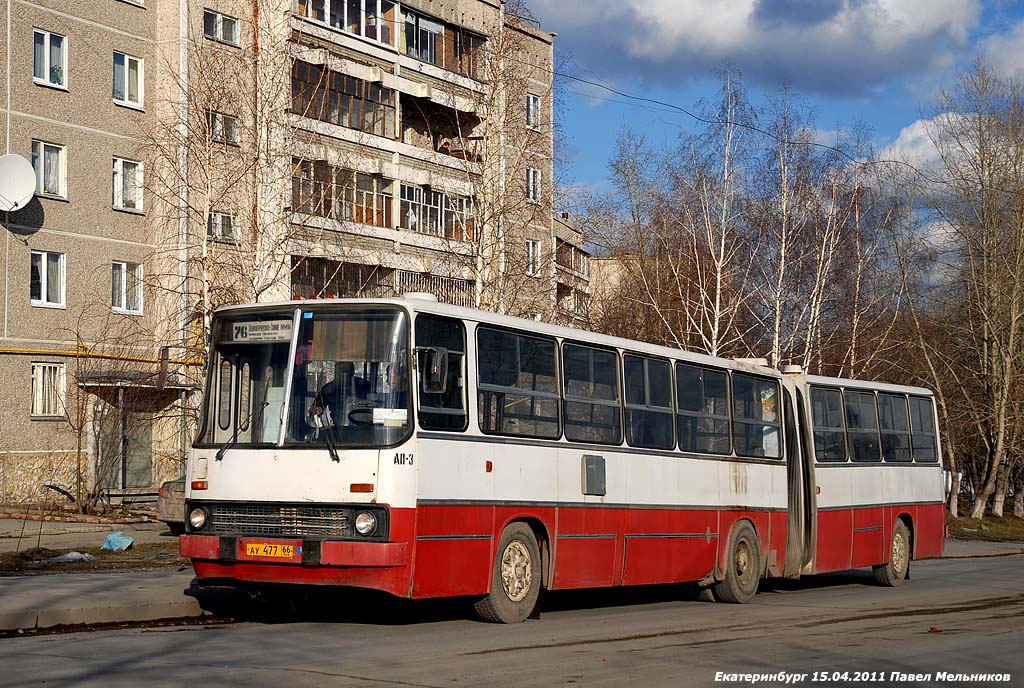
880,62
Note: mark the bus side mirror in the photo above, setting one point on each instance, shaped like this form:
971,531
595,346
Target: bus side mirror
435,370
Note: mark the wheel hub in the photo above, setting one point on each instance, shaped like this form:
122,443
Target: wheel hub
516,571
899,553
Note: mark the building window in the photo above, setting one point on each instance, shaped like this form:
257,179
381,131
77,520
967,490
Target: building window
126,287
424,38
220,226
48,161
366,18
127,184
324,190
47,279
533,111
532,257
533,185
48,385
222,128
128,80
431,212
220,27
49,59
343,100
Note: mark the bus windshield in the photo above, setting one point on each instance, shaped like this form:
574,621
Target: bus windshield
246,387
350,386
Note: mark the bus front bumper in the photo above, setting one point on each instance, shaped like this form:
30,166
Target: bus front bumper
347,553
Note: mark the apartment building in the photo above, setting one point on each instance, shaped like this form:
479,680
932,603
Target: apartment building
191,154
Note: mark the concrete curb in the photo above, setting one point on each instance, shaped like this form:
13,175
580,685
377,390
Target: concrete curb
35,602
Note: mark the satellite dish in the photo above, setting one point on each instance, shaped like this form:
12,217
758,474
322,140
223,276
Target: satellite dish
17,182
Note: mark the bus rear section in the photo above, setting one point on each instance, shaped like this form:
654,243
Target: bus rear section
302,470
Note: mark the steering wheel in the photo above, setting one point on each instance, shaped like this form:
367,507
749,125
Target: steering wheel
361,415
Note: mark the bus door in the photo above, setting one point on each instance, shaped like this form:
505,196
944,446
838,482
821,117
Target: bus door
802,522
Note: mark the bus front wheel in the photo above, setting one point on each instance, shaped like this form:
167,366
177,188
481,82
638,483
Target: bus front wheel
894,572
743,567
515,578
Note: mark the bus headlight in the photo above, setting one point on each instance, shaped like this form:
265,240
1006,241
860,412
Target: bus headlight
366,523
197,518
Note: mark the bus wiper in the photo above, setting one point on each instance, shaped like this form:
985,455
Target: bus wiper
234,436
331,449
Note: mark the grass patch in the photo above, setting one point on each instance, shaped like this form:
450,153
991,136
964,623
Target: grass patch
148,555
1008,528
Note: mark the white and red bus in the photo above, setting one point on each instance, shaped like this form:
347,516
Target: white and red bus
430,450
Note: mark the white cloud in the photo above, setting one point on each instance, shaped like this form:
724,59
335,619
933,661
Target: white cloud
1006,51
833,46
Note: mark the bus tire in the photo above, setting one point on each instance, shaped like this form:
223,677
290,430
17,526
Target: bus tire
894,572
515,578
742,567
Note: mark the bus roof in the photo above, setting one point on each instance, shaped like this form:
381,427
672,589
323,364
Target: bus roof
867,385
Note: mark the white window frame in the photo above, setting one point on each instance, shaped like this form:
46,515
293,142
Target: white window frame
39,164
533,111
142,81
216,121
118,185
215,227
122,287
533,256
37,392
45,301
219,18
533,185
47,67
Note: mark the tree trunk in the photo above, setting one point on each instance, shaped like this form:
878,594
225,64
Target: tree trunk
954,493
1018,493
999,497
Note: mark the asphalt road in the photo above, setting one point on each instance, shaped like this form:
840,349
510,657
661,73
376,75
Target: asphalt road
958,615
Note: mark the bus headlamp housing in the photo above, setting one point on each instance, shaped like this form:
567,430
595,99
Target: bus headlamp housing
197,518
366,523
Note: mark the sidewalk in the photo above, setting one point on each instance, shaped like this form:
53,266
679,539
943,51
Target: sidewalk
44,601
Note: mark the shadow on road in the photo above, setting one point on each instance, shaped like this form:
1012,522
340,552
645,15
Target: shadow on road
312,604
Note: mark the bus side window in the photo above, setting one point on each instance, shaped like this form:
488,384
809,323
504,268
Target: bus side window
517,384
444,410
862,425
591,392
922,428
648,403
755,419
829,434
702,405
893,422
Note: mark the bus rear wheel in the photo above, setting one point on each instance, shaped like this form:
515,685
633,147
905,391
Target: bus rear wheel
742,567
894,572
515,578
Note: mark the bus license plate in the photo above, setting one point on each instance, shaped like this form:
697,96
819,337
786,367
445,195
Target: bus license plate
268,549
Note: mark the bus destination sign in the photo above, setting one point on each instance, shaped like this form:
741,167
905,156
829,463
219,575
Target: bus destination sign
262,331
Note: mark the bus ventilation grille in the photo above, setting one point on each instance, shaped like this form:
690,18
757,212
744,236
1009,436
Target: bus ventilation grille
276,519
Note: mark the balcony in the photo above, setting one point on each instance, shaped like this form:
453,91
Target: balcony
323,191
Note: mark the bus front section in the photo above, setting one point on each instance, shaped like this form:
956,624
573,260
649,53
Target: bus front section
302,470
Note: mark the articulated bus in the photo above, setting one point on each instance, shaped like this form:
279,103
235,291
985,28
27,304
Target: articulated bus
429,450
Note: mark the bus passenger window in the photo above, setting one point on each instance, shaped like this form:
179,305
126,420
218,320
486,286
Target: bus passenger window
702,405
862,426
648,403
755,413
893,422
444,410
518,390
591,392
829,435
922,428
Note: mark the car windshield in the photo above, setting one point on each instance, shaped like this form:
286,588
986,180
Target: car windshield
350,385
